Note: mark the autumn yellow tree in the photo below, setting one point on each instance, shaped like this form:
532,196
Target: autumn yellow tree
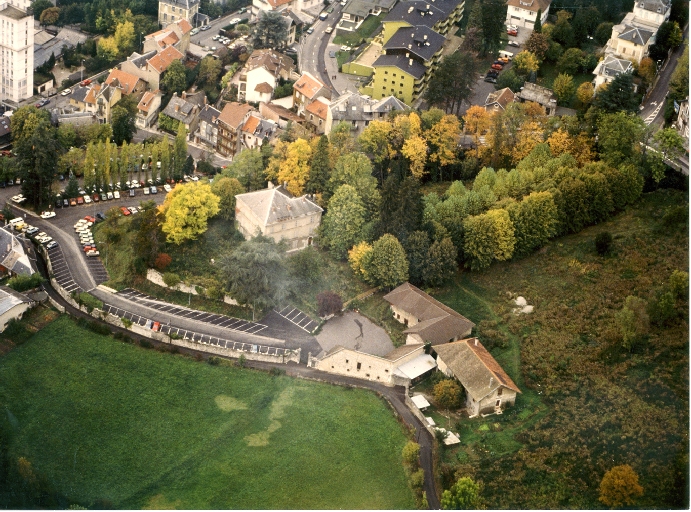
186,209
526,63
374,141
295,169
529,136
585,92
415,150
124,36
580,147
476,122
278,156
107,48
620,487
357,257
443,137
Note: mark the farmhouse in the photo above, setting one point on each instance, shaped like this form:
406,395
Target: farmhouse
276,213
427,319
12,305
488,388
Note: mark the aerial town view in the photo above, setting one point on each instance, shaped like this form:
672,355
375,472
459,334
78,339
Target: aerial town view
344,254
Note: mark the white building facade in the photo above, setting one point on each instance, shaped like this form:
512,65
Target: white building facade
16,51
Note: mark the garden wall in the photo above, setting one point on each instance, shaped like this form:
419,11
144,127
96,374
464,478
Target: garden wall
157,278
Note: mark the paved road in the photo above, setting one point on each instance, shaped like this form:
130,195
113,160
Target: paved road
651,108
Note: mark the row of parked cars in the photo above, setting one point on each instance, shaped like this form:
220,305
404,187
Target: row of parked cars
32,232
504,58
86,237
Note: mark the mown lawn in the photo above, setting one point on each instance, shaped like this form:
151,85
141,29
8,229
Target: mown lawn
112,424
368,27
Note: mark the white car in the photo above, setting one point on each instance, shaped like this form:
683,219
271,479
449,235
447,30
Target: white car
133,209
194,32
87,199
92,253
109,195
18,198
146,191
235,20
51,244
216,37
116,194
66,92
167,188
47,215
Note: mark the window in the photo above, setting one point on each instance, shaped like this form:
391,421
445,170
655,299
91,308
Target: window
359,365
367,374
387,371
346,360
499,391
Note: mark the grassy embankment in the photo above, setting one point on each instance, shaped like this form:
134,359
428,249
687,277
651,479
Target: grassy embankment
110,425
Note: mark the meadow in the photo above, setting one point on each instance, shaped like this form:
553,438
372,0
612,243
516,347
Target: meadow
109,424
588,403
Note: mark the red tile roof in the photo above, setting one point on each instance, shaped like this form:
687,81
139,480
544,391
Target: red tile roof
318,108
251,124
233,114
91,96
162,60
127,81
308,85
264,88
184,25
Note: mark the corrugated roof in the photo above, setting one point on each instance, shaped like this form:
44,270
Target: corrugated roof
438,323
9,299
474,367
277,204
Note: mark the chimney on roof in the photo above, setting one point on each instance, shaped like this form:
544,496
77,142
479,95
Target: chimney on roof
410,62
205,99
177,107
491,380
184,95
476,342
285,184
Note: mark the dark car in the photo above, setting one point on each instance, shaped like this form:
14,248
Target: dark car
493,73
131,192
100,217
490,79
66,203
58,203
43,102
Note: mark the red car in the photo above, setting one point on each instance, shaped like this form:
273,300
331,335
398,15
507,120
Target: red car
497,66
84,83
156,326
88,248
80,200
125,211
96,198
512,32
89,218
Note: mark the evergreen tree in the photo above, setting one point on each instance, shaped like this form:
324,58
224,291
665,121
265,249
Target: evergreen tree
618,96
320,167
537,27
386,264
441,262
417,247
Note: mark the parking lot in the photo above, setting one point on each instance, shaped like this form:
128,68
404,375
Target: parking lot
226,322
196,337
61,270
298,318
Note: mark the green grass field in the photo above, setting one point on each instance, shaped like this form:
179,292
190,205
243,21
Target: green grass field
107,422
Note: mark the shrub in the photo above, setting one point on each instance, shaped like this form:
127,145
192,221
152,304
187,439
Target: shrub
679,284
447,394
214,293
329,303
417,479
411,454
171,280
126,322
603,243
620,487
276,371
662,310
214,361
90,302
21,283
98,327
145,344
242,361
162,261
676,216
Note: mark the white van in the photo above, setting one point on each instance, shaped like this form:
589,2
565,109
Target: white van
16,221
505,54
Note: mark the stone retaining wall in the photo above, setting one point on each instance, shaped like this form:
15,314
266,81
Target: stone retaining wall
159,336
157,278
418,414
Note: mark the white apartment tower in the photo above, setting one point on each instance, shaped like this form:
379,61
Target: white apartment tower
16,51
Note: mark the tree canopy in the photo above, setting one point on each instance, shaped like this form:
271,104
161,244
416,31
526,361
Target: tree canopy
187,209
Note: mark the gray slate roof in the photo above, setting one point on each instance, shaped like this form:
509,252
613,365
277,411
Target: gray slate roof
422,12
5,127
276,204
474,367
14,255
636,35
420,40
438,323
660,6
10,298
186,4
186,111
209,114
611,66
413,68
79,93
10,11
140,60
351,106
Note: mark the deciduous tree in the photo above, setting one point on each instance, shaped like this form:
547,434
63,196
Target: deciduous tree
50,16
537,44
632,320
441,262
447,394
342,224
387,264
124,37
329,303
417,249
107,49
442,137
564,88
355,169
175,79
463,495
476,121
488,237
187,209
357,257
123,124
411,454
226,189
585,92
248,168
320,167
525,63
295,168
415,150
620,487
535,222
209,69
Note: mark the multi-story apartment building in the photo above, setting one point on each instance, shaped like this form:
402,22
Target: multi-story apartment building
261,75
232,117
16,51
170,11
413,38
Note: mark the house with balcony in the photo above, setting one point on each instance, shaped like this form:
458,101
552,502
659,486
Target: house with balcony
170,11
631,40
299,6
97,99
255,130
438,15
359,111
230,122
652,12
207,127
276,213
306,89
523,13
411,55
262,73
147,109
609,68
